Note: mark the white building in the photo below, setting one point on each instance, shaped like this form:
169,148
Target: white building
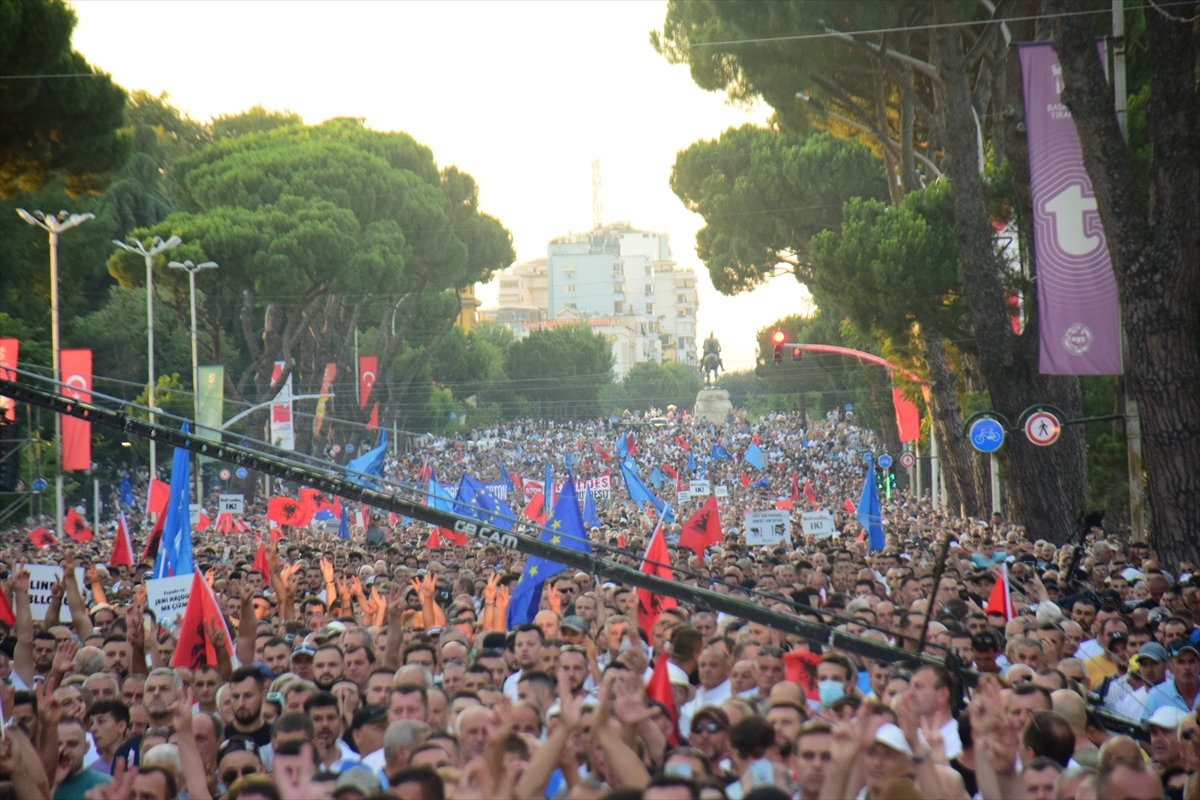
621,281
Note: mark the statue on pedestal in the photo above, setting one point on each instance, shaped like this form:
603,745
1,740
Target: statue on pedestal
711,362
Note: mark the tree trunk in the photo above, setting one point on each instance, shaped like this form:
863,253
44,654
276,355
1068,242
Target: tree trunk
953,448
1155,251
1009,367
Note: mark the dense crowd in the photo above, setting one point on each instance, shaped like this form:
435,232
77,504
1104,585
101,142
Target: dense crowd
366,669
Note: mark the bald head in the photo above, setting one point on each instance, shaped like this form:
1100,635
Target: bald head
1071,707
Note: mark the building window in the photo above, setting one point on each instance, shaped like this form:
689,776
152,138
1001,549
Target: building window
649,309
618,307
570,288
569,272
649,290
649,270
618,270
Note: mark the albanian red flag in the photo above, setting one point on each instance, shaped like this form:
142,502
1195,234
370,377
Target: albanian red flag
151,551
702,529
674,473
6,610
160,493
286,511
228,523
122,552
194,649
202,522
999,601
682,442
745,481
42,537
76,528
434,542
534,508
260,561
659,688
808,493
656,562
800,666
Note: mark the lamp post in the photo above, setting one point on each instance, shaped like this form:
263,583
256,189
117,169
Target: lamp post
54,225
192,269
156,246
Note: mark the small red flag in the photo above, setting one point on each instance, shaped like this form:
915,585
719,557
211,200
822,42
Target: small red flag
702,529
659,688
434,542
800,666
76,528
656,562
286,511
783,505
674,473
745,481
151,551
999,601
682,442
260,560
42,538
756,439
808,493
6,611
849,506
194,649
631,444
228,523
122,552
203,522
534,508
160,493
621,540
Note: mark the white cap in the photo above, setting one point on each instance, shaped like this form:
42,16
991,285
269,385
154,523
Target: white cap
679,678
891,735
1167,717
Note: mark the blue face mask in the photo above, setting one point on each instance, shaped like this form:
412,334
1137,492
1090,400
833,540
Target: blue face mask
830,692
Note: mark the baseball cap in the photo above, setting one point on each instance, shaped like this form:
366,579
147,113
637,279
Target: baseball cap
1179,645
574,622
679,678
1153,651
367,714
304,649
359,778
237,744
1167,717
891,735
1117,636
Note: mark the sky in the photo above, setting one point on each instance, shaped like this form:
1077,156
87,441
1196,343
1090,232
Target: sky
522,95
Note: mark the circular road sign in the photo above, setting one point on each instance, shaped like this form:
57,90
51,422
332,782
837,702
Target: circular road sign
337,448
241,473
986,435
40,485
224,474
907,460
349,448
884,460
1042,428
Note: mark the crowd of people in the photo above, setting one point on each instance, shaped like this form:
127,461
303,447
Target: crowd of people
368,669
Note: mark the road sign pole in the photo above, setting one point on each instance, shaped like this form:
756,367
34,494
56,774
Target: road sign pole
995,484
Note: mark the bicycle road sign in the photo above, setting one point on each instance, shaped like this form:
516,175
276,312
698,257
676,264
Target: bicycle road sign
986,434
1042,428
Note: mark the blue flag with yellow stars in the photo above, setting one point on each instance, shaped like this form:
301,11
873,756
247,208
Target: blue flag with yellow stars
476,502
564,527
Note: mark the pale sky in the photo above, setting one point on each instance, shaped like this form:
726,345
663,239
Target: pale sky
522,95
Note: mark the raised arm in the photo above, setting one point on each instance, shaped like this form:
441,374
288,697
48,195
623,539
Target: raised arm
93,578
19,758
247,626
54,608
532,783
189,753
395,610
23,652
80,619
627,767
135,634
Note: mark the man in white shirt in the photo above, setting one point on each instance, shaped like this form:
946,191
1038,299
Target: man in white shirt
527,644
715,687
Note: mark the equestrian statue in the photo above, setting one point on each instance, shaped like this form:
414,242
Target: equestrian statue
711,363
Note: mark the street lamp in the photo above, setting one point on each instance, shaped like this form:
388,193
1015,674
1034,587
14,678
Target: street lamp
192,269
156,246
54,225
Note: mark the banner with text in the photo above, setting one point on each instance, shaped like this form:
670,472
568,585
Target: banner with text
76,366
283,434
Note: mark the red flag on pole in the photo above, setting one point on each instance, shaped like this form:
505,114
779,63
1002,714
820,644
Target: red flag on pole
795,491
76,433
8,362
156,500
659,688
373,420
702,529
849,506
368,366
808,493
194,649
42,538
260,561
434,542
122,552
999,601
745,481
286,511
151,551
6,610
656,562
76,528
800,666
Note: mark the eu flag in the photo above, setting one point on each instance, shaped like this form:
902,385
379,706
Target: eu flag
869,513
762,483
590,518
720,453
126,490
564,527
474,501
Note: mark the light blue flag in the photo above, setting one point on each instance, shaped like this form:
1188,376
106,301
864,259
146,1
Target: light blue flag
691,463
548,486
369,463
344,527
656,477
755,457
438,497
564,527
639,492
175,552
126,491
590,517
869,513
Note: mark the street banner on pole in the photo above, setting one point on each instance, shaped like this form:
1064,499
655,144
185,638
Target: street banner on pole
1077,291
212,402
8,362
76,433
283,434
326,388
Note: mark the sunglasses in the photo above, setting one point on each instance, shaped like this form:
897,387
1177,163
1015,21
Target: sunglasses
706,727
231,775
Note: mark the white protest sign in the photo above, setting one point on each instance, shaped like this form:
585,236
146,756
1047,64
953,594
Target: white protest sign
683,496
701,488
194,510
768,528
41,578
818,523
721,490
231,504
168,597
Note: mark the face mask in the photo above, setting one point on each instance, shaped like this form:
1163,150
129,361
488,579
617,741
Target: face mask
831,691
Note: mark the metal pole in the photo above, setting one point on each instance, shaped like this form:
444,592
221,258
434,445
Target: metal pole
935,468
56,347
196,385
96,506
917,467
995,464
150,358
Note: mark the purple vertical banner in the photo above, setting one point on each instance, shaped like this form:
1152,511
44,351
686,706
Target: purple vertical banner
1078,313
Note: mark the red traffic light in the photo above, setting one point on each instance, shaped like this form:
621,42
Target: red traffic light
778,337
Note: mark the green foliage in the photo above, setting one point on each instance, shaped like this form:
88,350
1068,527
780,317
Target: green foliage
891,267
255,119
743,386
764,195
561,370
652,384
1108,469
53,126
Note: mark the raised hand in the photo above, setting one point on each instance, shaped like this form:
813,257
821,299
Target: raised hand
119,788
630,702
326,570
570,706
554,598
216,635
500,723
182,711
64,657
135,625
92,575
489,590
49,708
57,590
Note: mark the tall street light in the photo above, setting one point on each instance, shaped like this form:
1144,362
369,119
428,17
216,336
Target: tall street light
156,246
54,225
192,269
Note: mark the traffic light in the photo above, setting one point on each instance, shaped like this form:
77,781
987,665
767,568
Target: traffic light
778,337
797,354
